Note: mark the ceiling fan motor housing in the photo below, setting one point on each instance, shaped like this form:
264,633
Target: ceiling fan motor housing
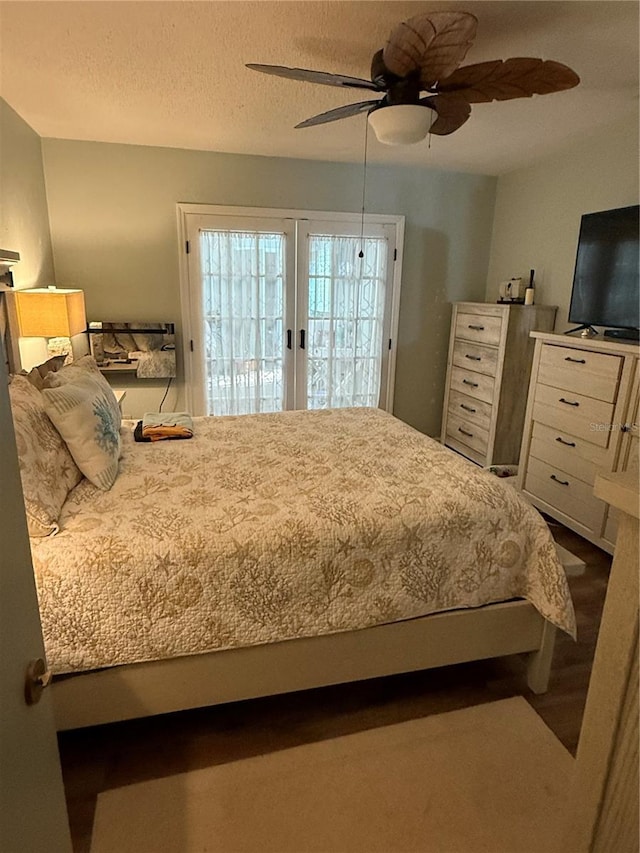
405,91
380,74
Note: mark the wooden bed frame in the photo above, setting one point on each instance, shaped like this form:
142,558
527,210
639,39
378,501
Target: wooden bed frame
158,687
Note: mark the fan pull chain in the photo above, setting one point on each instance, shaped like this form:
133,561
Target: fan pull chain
364,186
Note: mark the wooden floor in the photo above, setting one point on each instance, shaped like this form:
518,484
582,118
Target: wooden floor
110,756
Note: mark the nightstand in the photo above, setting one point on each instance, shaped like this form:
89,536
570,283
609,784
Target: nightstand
120,395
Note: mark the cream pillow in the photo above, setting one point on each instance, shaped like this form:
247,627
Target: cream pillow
47,469
85,412
71,372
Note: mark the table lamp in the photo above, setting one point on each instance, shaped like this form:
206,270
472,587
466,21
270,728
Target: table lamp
53,313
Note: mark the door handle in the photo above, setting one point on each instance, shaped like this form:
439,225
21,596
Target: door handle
473,357
464,432
37,678
303,338
476,328
568,402
467,382
468,408
289,336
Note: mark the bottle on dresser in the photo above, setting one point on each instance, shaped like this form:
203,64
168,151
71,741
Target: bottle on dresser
529,292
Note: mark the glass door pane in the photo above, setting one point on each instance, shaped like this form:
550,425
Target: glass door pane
242,274
346,320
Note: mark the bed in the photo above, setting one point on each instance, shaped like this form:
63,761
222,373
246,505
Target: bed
278,552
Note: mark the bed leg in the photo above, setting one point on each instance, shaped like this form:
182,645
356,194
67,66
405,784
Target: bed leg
539,663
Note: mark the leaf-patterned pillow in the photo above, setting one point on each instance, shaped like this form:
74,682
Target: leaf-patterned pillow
47,469
86,414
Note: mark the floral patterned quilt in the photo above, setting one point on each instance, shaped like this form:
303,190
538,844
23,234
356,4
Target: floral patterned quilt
268,527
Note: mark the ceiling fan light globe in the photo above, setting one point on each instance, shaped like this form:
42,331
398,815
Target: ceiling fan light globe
401,124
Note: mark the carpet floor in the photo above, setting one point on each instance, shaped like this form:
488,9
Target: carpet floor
486,779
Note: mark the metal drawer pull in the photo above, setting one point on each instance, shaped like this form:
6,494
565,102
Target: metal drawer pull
562,482
576,360
467,408
464,432
568,443
473,357
568,402
476,328
469,382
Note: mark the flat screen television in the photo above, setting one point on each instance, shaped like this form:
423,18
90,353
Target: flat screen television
605,281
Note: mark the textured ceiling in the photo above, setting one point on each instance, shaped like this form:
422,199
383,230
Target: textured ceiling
172,74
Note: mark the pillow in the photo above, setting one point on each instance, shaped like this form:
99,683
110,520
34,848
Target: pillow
47,469
85,412
34,378
70,372
37,374
52,365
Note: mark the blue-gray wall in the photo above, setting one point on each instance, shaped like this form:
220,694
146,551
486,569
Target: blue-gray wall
113,223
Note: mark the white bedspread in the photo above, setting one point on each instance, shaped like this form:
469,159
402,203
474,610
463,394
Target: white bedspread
268,527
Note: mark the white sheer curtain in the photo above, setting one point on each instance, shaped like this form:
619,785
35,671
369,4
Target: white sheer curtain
243,295
346,316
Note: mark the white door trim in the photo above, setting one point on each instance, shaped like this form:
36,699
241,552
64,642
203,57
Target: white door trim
185,210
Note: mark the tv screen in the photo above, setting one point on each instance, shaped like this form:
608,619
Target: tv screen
605,282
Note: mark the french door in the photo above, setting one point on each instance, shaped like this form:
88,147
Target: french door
284,311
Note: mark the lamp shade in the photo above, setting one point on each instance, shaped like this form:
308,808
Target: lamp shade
50,312
401,124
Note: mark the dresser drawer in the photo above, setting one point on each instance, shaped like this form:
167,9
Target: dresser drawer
475,357
592,374
476,411
566,493
577,457
466,432
478,328
574,414
475,385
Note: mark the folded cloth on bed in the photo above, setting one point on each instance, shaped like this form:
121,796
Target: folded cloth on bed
157,426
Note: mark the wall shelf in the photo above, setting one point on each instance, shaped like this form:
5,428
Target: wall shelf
119,368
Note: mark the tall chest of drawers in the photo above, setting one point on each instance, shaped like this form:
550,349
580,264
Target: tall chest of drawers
582,416
490,356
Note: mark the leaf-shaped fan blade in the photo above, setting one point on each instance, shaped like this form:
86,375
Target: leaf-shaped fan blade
435,44
323,77
339,112
498,80
452,112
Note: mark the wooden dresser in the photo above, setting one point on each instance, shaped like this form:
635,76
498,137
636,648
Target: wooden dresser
490,355
582,417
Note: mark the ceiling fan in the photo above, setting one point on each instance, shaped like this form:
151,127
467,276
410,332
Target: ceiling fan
423,54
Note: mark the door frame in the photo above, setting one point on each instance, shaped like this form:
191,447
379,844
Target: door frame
184,210
33,813
194,352
389,331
